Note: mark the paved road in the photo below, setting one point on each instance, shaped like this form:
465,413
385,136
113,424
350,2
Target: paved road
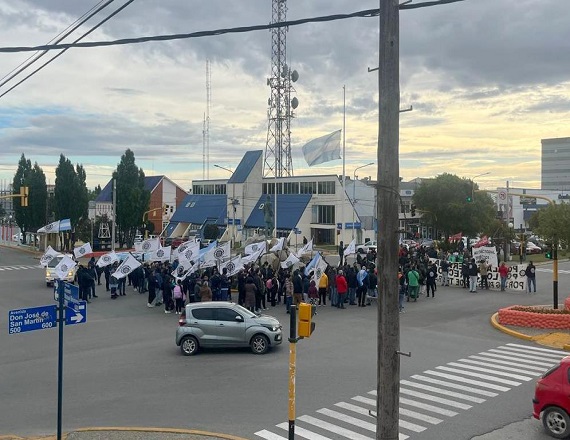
123,369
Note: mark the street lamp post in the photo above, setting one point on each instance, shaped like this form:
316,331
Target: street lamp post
354,192
233,237
473,183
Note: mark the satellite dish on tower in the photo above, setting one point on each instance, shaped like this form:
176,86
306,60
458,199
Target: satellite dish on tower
294,76
294,103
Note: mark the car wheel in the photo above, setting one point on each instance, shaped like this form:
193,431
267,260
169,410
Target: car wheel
556,422
259,344
189,345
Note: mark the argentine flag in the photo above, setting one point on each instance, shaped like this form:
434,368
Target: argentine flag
323,149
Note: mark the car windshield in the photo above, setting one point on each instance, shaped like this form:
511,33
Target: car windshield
244,311
54,261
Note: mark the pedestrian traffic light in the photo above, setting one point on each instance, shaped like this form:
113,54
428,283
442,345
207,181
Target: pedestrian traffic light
413,210
306,324
24,192
548,254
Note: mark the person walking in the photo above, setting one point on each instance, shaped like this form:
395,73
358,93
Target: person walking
503,273
530,273
178,295
413,283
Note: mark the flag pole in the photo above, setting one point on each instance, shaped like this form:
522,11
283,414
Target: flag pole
342,223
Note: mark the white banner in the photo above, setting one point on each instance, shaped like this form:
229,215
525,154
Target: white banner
351,248
487,253
222,251
256,247
291,260
234,265
189,251
516,279
306,249
278,246
319,270
126,267
150,245
81,251
162,254
64,266
105,260
48,256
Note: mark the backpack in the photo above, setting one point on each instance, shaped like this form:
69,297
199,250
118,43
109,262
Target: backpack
268,284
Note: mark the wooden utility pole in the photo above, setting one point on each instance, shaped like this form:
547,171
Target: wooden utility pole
387,192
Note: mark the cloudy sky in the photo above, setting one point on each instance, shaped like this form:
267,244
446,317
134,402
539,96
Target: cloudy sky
488,79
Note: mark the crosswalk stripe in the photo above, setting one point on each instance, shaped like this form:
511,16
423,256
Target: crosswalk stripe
365,400
454,386
465,380
302,432
442,391
487,370
545,350
419,416
511,352
365,412
268,435
479,375
498,367
541,356
516,364
348,419
435,409
513,358
431,398
333,428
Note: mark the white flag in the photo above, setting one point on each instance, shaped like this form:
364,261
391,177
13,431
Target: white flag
323,149
233,265
306,249
161,254
105,260
253,257
255,247
222,251
64,267
150,245
291,260
319,270
48,256
126,267
189,251
351,248
82,251
278,246
183,270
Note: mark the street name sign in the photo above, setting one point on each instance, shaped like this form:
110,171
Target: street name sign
32,318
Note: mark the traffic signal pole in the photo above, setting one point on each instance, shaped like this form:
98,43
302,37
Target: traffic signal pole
555,274
292,367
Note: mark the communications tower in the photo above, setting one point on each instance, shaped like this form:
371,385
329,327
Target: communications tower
278,162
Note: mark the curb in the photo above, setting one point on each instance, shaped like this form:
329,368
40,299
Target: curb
163,430
21,249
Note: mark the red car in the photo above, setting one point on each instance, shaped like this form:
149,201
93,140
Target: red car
552,399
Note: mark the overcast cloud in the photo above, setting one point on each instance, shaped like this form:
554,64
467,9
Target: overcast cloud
487,80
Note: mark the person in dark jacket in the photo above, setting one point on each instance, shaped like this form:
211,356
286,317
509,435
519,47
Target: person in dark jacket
473,271
431,280
465,273
530,273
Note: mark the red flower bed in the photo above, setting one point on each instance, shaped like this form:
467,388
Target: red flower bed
537,317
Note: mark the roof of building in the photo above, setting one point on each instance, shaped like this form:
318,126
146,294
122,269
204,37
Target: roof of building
106,194
290,208
245,167
196,208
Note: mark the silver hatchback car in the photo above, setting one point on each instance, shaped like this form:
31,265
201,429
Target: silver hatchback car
225,324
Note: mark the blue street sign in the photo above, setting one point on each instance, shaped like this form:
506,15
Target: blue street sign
231,221
339,225
297,231
76,314
355,225
33,318
71,291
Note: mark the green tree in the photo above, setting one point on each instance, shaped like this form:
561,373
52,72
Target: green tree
94,193
452,204
554,224
132,197
32,217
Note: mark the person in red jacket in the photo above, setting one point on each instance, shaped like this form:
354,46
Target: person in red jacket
341,288
503,272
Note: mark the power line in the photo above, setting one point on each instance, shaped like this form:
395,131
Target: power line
235,30
69,46
66,32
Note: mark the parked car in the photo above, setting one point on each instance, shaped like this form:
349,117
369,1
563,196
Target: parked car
552,400
50,270
531,248
364,248
225,324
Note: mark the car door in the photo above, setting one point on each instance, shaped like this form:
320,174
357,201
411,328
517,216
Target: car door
230,331
203,321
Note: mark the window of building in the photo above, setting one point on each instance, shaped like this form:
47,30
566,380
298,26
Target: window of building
291,188
326,187
209,188
197,189
323,214
269,188
308,187
220,188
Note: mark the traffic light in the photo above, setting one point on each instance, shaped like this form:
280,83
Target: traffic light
548,254
469,199
413,210
24,192
306,324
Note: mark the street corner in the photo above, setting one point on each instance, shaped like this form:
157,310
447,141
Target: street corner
559,340
495,323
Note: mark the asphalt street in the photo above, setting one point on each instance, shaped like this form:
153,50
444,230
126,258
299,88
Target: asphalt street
122,368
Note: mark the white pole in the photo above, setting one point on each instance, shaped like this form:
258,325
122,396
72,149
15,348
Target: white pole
342,222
